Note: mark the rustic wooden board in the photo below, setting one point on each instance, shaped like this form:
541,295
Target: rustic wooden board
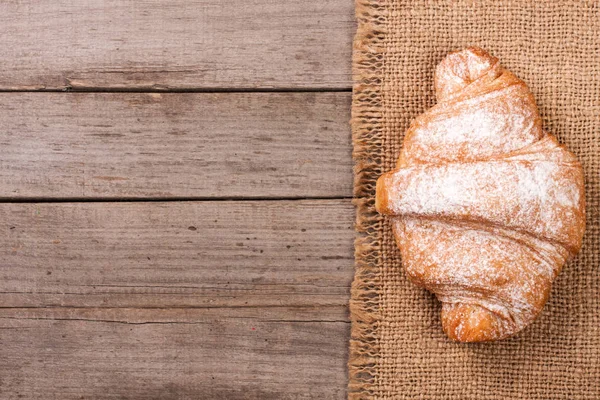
176,44
206,354
176,254
155,300
173,145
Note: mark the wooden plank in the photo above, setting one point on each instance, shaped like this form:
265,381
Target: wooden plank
204,354
176,44
176,254
151,300
194,145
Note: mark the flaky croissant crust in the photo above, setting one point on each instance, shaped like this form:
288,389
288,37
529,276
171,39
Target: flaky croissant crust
485,206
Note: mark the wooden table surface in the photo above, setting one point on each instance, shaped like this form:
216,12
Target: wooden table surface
175,186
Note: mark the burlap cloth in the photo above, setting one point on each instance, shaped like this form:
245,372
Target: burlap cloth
398,349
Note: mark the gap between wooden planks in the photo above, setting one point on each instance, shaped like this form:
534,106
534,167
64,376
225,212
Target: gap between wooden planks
222,300
176,44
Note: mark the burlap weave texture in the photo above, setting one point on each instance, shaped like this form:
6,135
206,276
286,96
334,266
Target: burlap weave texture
398,349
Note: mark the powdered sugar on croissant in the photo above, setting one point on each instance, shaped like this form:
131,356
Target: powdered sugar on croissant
486,207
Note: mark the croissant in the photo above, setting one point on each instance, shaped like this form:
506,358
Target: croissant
485,206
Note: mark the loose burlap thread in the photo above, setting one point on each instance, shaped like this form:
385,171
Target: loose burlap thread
398,349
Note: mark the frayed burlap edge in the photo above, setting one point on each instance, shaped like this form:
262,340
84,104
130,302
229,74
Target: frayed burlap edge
367,114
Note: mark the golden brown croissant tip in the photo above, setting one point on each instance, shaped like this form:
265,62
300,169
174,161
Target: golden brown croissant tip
458,69
381,195
469,323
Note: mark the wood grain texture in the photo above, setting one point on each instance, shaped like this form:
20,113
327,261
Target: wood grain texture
176,254
207,354
176,44
174,145
151,300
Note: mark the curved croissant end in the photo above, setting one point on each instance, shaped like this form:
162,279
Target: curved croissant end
486,207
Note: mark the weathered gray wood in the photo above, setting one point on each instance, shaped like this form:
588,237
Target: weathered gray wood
151,300
191,354
176,44
136,145
176,254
